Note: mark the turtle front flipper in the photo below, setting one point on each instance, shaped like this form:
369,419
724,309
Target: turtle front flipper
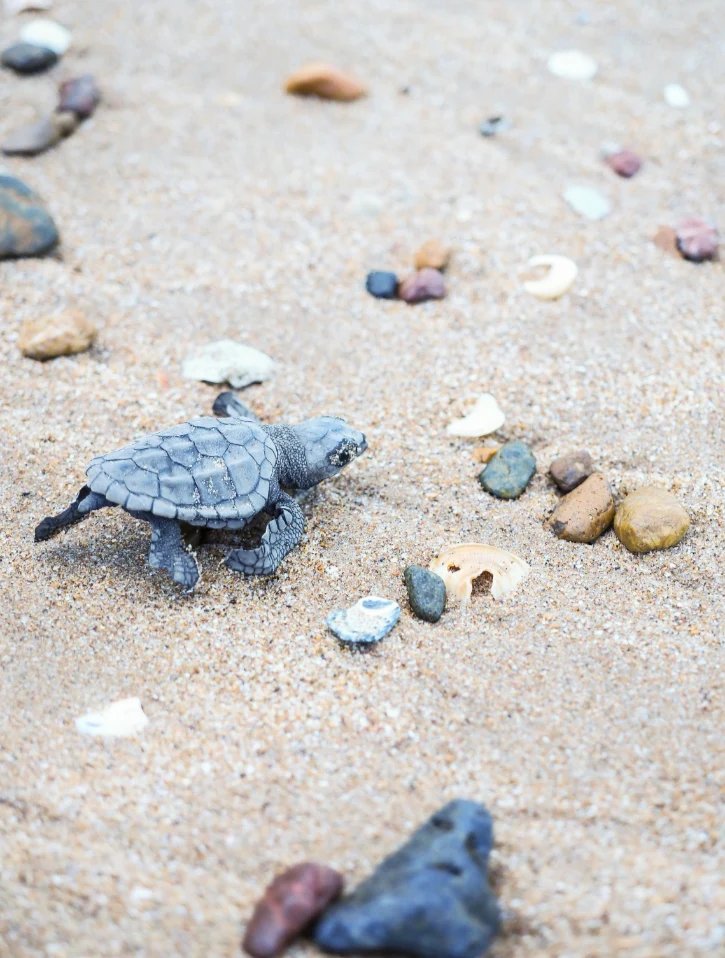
281,536
84,503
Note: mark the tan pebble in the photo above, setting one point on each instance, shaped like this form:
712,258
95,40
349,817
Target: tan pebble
584,514
666,239
485,453
325,81
650,519
64,334
434,254
460,565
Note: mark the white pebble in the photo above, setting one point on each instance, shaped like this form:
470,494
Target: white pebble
559,280
47,33
366,622
676,95
572,64
228,362
587,202
485,417
119,720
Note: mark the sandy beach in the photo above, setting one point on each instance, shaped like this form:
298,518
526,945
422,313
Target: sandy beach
199,203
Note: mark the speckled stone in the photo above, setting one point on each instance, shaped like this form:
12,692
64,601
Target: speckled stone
650,519
426,593
430,899
509,472
382,285
26,227
585,513
28,58
570,470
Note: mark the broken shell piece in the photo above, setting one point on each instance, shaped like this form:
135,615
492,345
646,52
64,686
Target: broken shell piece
485,417
120,719
326,82
460,565
559,280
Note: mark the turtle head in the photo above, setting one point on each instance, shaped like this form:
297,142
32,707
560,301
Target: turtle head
329,444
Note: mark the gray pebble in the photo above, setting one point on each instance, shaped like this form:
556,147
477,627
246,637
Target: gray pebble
426,592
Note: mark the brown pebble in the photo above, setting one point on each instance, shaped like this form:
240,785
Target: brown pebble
290,903
325,81
40,136
485,453
63,334
584,514
425,284
650,519
696,239
625,163
79,95
433,254
571,470
666,239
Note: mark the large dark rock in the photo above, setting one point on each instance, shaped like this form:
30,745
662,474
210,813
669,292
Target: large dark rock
26,227
430,899
426,592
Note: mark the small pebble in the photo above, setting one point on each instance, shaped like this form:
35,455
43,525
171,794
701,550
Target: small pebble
571,470
366,622
382,285
26,227
433,254
80,96
293,900
40,136
426,593
484,454
557,282
666,239
494,125
228,362
588,202
572,64
425,284
47,33
510,471
326,82
696,239
676,95
119,720
64,334
485,417
650,519
625,163
28,58
584,514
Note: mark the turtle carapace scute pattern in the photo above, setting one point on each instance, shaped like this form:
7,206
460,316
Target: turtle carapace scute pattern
217,473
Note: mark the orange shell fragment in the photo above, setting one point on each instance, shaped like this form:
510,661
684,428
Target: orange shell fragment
461,564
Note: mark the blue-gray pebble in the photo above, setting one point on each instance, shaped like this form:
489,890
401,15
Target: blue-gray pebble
509,472
382,285
26,227
430,899
28,58
426,592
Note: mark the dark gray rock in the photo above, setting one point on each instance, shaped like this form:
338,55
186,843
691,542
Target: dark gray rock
79,95
430,899
426,592
571,470
382,285
509,472
28,58
26,227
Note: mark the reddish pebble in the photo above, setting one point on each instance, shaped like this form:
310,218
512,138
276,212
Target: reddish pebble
625,163
290,903
79,95
427,283
696,239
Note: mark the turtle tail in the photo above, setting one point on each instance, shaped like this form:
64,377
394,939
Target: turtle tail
84,503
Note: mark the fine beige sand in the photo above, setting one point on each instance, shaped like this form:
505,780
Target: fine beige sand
200,203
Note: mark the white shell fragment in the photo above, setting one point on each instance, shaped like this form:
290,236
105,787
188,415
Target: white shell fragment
228,362
366,622
460,565
20,6
47,33
588,202
559,280
485,417
676,95
119,720
572,64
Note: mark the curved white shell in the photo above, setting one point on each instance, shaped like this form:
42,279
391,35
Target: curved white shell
46,33
485,417
559,280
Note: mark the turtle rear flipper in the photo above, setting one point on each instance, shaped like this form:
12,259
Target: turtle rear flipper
84,503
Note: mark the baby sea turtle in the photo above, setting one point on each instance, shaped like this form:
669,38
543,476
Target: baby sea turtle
217,473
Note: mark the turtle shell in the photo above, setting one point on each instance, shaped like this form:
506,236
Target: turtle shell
207,472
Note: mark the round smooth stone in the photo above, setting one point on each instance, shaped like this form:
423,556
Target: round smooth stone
47,33
650,519
26,227
510,471
28,58
426,593
382,285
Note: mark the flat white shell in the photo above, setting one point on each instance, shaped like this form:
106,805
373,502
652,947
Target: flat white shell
559,280
572,64
485,417
588,202
118,720
366,622
47,33
676,95
228,362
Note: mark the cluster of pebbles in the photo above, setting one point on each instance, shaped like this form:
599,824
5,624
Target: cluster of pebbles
425,283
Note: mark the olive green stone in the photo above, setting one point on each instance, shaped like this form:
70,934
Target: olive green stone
650,519
509,472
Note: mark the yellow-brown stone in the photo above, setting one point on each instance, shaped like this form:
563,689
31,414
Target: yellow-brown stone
434,254
325,81
584,514
63,334
650,519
